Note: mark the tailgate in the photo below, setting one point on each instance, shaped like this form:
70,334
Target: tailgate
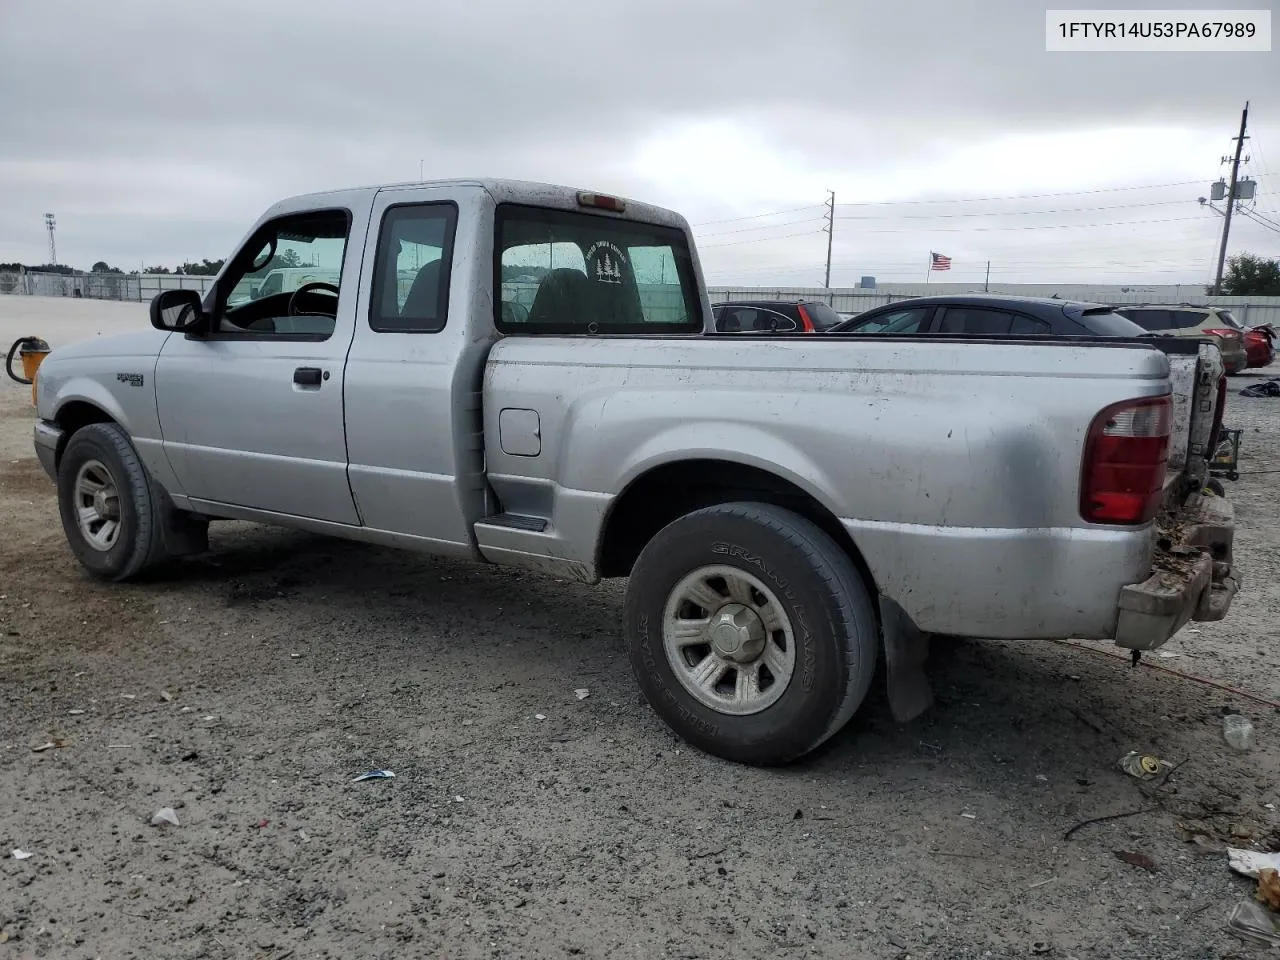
1197,376
1193,574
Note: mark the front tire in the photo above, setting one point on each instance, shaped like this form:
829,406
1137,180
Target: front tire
110,509
751,632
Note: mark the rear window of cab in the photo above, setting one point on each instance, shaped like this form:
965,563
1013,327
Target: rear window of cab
566,272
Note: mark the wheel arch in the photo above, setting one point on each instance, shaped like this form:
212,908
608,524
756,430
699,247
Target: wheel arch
74,415
664,492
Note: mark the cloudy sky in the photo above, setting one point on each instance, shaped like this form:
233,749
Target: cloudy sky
158,131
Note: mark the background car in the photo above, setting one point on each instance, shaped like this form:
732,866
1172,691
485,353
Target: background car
1186,320
773,316
992,314
1260,345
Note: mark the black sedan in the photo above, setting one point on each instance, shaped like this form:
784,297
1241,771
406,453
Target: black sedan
992,315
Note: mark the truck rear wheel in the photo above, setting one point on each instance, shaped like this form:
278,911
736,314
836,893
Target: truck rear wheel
110,510
750,631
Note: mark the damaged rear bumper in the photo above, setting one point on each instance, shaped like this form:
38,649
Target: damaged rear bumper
1194,579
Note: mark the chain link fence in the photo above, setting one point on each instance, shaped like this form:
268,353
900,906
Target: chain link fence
98,286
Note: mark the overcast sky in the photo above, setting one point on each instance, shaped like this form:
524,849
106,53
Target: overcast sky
158,131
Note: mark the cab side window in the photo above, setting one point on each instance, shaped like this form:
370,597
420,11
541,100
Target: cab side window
410,291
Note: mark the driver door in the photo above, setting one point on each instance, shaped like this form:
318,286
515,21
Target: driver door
251,411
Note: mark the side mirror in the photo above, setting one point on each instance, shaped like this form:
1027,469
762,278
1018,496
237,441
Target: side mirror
176,311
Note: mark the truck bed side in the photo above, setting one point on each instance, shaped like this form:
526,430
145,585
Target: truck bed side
954,467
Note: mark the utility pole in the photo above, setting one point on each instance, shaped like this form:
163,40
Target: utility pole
50,225
831,232
986,284
1231,199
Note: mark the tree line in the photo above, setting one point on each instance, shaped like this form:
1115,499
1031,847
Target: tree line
205,268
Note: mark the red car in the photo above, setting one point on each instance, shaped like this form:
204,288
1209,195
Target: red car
1260,345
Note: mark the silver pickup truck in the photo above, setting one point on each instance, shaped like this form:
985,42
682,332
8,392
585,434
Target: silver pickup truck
527,375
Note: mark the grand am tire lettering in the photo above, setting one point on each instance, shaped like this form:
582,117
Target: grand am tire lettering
733,550
650,662
742,662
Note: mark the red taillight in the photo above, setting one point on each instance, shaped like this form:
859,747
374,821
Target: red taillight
1225,333
600,201
1124,462
804,318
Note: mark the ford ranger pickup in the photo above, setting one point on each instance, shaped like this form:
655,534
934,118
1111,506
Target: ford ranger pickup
529,375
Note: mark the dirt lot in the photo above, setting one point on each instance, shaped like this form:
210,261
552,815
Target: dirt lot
248,688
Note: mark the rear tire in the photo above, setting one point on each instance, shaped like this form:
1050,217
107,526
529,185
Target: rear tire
751,632
111,510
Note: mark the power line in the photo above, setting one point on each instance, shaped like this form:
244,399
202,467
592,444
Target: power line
1040,226
735,243
1057,227
1253,212
763,226
1259,173
1023,196
758,216
1017,213
1259,219
890,203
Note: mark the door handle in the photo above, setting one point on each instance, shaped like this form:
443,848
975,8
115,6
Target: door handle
307,376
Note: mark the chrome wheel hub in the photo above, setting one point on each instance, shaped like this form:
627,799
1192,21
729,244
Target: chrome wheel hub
728,640
736,633
96,502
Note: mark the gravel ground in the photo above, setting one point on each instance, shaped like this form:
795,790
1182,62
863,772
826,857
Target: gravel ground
248,688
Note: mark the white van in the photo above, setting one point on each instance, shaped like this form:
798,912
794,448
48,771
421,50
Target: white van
280,280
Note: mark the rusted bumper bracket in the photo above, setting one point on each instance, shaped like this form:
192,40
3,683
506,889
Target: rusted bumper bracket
1200,586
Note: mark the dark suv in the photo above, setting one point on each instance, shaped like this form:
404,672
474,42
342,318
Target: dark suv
1204,323
773,316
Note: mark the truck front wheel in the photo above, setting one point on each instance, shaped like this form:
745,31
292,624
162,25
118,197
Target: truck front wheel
751,632
110,510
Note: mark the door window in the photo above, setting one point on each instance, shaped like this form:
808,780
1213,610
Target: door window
754,320
1024,326
895,321
1189,319
411,272
259,295
1153,321
975,321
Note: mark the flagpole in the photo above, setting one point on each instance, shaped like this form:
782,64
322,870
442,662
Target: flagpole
929,269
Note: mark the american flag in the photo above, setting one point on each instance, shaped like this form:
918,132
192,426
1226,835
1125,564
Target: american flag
939,262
